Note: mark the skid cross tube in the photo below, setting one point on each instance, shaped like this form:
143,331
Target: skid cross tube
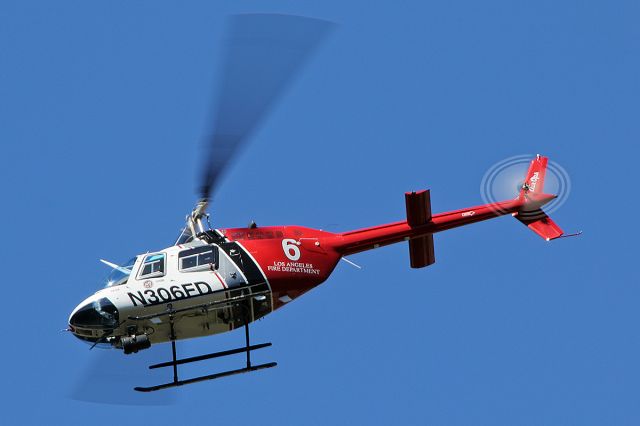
247,313
173,343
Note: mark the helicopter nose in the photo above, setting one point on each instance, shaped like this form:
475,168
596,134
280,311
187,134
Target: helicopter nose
99,314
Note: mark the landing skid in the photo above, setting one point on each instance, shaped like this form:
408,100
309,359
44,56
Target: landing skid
175,362
204,378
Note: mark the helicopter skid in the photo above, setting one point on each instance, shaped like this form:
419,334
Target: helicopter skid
205,378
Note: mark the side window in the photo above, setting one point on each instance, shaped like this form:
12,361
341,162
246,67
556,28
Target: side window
153,266
198,259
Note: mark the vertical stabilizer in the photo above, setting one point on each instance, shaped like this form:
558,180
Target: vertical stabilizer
534,181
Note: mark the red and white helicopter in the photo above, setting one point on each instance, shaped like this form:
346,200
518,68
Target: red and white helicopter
213,281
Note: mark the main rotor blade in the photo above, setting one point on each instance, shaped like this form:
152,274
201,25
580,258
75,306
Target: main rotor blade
262,55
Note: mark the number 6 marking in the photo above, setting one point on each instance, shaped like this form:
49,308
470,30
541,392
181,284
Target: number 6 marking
291,249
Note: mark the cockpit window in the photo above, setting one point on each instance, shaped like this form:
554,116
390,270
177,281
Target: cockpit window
153,266
121,274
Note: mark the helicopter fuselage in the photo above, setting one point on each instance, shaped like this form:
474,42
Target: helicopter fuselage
224,279
260,268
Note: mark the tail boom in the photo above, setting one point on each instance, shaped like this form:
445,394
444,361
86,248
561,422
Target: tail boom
420,225
377,236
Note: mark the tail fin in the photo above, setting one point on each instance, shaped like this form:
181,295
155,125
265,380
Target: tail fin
534,181
534,198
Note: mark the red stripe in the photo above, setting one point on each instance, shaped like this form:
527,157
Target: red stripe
220,279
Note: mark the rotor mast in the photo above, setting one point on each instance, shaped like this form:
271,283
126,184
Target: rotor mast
195,219
197,225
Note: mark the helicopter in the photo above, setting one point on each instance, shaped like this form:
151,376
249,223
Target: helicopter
215,280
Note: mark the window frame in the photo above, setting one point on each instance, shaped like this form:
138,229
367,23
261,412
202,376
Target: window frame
196,252
153,274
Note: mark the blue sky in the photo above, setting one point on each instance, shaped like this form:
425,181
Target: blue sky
102,109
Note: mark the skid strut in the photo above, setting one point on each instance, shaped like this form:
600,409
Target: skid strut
175,362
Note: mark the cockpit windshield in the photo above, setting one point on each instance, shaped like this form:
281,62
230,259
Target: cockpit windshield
120,275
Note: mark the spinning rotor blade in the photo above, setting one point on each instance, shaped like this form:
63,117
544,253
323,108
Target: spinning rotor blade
505,178
262,55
